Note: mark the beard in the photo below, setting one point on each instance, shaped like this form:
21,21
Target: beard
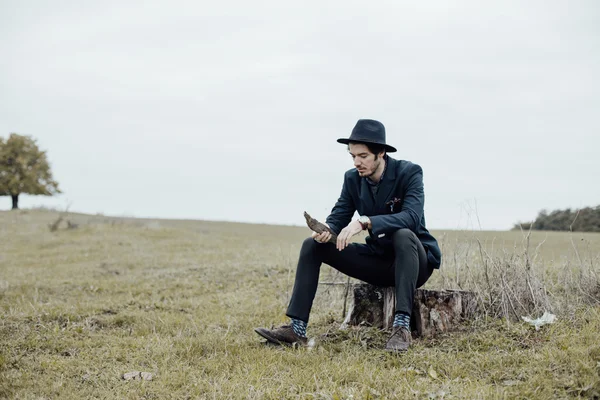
368,173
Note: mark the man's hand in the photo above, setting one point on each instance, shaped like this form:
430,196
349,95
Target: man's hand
322,237
346,234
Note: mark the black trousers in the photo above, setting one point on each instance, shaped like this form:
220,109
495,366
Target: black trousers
406,269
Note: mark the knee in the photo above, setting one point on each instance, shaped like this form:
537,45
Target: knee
308,246
308,243
404,237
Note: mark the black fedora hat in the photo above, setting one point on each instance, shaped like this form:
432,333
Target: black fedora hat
368,131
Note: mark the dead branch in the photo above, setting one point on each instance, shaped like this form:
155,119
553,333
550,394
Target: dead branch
319,227
54,226
346,297
333,283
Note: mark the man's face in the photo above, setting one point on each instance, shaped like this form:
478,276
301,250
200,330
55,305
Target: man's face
364,160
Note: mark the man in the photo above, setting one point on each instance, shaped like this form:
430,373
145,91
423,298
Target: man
399,251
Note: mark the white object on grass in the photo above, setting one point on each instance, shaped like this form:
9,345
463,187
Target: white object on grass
546,318
135,375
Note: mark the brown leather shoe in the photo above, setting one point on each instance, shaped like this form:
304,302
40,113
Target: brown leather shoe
399,341
283,335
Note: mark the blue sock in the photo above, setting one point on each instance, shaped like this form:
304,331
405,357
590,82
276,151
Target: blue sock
402,320
299,327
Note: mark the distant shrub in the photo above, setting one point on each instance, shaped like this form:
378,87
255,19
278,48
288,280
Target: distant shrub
583,220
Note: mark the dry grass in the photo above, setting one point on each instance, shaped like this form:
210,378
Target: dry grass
179,299
532,273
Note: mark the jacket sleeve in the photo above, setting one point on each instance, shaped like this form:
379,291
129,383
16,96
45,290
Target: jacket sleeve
410,214
342,211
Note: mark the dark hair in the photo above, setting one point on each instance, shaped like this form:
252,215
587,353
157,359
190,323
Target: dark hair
373,147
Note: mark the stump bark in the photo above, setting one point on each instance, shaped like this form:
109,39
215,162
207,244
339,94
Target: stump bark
434,311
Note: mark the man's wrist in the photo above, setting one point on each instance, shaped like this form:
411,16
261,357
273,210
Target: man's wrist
365,222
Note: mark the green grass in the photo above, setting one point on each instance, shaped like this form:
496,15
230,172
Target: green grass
180,299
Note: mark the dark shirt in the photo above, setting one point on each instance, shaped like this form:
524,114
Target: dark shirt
375,185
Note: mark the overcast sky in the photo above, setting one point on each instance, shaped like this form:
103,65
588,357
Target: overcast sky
231,110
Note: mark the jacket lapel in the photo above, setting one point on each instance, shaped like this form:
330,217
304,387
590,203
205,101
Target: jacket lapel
386,186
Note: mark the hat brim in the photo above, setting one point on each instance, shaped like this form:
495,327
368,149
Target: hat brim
388,148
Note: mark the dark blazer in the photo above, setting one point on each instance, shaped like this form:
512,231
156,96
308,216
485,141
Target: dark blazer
398,204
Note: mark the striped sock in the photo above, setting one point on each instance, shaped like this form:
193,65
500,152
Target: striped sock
299,327
402,319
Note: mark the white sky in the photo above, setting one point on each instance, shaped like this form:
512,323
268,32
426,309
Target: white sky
231,110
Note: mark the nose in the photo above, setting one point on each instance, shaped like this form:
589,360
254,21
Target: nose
356,162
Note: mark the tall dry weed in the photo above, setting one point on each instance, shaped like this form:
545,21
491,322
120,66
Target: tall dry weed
511,283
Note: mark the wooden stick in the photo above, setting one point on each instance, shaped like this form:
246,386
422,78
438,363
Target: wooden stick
346,297
332,283
319,227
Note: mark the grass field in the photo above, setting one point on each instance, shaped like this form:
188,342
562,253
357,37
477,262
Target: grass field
180,299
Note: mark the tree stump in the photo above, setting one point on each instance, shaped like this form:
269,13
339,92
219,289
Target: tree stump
434,311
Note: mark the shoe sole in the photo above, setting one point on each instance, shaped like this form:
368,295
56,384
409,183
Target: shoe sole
264,333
